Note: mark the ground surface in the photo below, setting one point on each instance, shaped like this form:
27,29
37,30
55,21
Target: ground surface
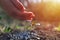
31,35
6,21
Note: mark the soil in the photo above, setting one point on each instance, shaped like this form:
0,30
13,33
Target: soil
34,35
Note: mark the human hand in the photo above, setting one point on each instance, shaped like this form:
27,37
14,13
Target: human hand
15,9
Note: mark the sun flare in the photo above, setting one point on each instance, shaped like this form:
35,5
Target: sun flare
56,1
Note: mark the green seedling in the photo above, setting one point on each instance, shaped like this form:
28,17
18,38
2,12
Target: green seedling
8,29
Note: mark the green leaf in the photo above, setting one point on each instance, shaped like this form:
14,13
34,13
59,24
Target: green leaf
7,29
18,27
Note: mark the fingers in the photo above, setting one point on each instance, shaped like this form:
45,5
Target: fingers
18,5
29,14
26,16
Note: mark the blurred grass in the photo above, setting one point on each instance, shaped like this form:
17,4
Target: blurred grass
7,22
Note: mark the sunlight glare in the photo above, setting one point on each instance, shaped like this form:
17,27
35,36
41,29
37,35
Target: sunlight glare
56,1
36,1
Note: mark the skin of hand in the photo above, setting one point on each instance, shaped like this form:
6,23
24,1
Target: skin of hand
15,9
